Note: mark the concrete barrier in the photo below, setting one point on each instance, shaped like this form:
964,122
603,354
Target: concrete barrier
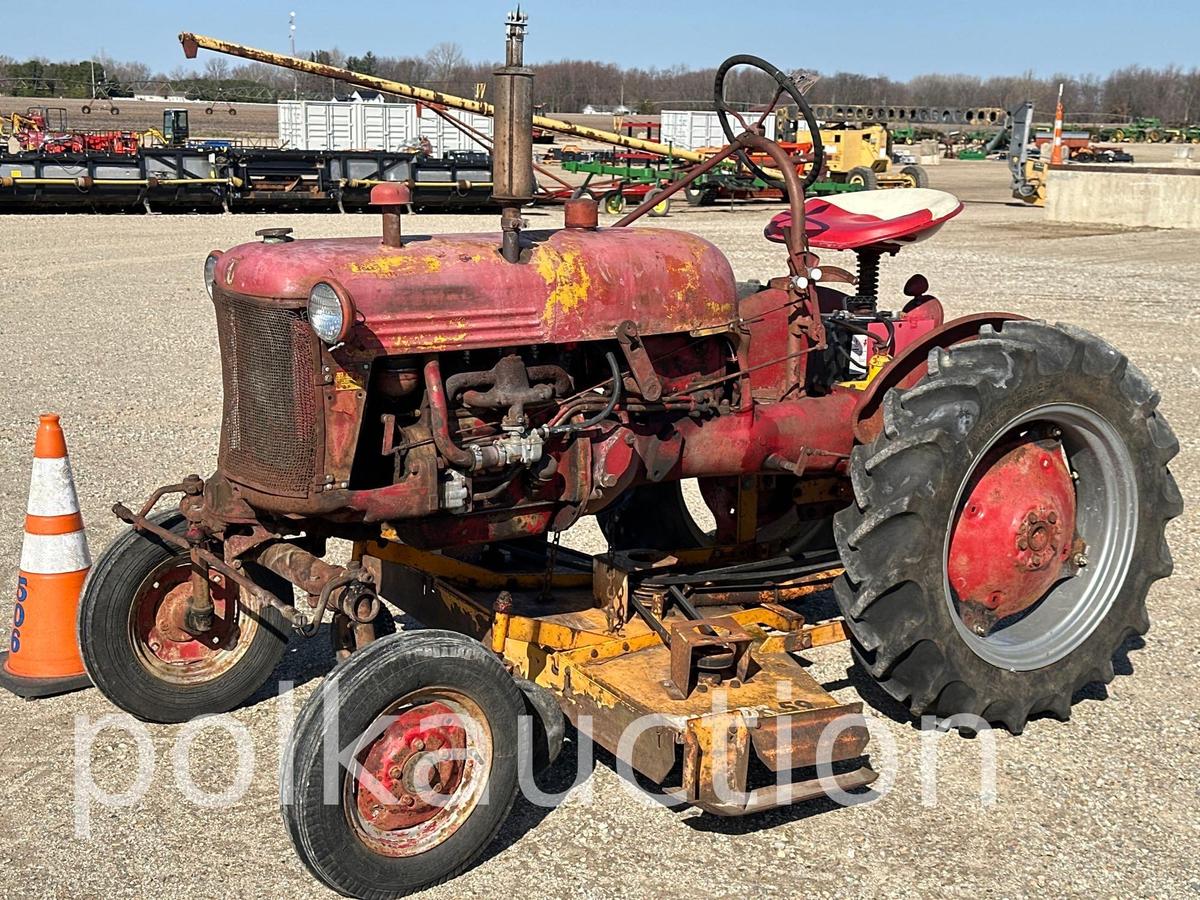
1135,197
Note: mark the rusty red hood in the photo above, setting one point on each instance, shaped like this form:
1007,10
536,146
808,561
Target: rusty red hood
456,291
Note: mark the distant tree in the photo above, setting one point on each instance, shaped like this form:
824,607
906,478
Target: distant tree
216,68
444,59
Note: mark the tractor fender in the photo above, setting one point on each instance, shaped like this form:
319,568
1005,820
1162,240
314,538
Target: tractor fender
911,364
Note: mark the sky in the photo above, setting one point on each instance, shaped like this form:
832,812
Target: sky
976,37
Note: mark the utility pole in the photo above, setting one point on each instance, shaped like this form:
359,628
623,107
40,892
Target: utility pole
292,36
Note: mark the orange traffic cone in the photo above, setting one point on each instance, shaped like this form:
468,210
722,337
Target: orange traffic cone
43,656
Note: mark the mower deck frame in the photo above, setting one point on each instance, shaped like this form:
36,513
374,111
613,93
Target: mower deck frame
621,642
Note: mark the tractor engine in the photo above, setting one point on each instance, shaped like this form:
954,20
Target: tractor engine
431,379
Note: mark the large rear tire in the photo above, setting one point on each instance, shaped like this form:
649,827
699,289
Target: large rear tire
398,704
126,642
1043,387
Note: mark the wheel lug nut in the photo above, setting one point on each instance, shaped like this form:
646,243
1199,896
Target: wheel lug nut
1022,544
1052,518
406,800
1080,560
418,745
1031,518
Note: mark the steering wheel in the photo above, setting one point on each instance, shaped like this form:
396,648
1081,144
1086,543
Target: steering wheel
786,86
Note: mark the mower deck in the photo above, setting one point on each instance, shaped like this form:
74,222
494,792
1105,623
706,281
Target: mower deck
649,652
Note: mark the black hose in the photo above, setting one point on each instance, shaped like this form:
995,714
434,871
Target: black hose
571,427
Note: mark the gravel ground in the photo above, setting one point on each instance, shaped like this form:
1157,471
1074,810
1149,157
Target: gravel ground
108,322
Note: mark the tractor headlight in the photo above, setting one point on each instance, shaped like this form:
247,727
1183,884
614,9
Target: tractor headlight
330,313
210,272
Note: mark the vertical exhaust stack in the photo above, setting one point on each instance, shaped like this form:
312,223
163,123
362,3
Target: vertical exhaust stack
512,155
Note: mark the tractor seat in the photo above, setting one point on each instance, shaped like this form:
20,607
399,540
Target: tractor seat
882,220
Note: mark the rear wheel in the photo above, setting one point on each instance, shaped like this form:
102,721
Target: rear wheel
699,195
135,646
426,731
1009,522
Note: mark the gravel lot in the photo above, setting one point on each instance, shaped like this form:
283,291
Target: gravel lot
107,321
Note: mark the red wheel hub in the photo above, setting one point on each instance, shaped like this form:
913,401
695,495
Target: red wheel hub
1014,532
161,618
418,759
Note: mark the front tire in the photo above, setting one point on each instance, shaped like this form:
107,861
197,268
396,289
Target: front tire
916,176
864,177
911,631
126,642
613,203
397,704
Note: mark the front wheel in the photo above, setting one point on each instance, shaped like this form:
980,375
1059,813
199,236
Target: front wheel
424,771
915,176
1008,524
864,177
613,203
136,648
662,207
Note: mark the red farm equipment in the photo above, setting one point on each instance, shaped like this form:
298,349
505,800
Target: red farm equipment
987,497
44,129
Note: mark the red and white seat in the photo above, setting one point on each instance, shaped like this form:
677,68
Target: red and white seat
882,220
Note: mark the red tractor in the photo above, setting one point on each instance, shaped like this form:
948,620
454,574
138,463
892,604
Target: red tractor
987,497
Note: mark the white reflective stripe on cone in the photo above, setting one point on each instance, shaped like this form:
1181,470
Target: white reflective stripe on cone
54,554
52,488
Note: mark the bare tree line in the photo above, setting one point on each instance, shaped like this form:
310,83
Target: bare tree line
1170,93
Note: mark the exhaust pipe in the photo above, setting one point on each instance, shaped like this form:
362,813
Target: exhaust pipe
512,154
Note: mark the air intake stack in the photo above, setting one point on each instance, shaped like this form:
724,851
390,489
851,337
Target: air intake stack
512,157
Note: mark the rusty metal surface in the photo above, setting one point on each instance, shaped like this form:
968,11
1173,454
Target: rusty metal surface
270,434
610,671
469,575
457,292
707,651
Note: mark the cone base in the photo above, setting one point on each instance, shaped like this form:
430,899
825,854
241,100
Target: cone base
34,688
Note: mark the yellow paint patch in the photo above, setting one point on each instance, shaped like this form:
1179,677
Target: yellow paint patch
399,264
346,381
566,276
439,340
684,279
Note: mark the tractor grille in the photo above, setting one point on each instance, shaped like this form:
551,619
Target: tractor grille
269,435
